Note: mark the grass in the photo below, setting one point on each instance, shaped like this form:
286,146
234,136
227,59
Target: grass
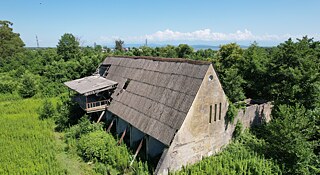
29,145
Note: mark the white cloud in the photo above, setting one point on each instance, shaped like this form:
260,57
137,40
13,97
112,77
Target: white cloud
201,35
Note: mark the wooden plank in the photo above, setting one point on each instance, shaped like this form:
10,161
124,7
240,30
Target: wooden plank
122,136
138,149
109,128
101,116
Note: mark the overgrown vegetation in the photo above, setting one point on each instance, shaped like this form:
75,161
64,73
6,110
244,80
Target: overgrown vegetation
94,145
27,145
288,75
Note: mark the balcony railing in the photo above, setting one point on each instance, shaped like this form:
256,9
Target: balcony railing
97,105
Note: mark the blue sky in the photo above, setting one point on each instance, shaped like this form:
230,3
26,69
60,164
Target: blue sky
163,22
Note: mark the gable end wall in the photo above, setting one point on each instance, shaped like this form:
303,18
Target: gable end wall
197,137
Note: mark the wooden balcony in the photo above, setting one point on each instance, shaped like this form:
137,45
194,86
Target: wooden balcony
97,106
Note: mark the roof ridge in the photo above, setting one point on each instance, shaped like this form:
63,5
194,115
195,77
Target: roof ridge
183,60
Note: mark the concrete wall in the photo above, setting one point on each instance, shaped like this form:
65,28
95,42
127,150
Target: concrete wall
198,137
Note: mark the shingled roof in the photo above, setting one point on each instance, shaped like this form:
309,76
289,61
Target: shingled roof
159,95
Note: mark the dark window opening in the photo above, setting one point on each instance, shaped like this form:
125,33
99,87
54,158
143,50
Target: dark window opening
220,111
126,84
215,112
103,69
210,117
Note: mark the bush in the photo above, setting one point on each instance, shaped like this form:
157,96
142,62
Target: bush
6,87
98,146
237,130
231,113
47,110
28,86
84,127
69,113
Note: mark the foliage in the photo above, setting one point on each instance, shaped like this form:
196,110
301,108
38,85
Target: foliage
119,45
289,138
83,127
255,72
27,144
183,50
101,147
295,73
47,110
228,62
69,113
237,130
10,42
7,83
231,113
68,47
28,86
232,85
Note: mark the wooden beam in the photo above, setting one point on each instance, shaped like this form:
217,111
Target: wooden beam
101,116
137,151
109,128
122,136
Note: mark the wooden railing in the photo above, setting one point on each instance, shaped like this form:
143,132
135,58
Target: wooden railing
96,104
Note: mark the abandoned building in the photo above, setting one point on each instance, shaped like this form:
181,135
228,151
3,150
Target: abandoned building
170,111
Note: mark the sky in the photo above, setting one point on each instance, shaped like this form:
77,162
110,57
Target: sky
205,22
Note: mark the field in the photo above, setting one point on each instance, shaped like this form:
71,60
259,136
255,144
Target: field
27,144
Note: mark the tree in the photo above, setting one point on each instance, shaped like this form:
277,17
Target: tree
10,42
229,60
255,72
295,73
47,110
28,86
119,45
289,139
184,51
232,83
68,47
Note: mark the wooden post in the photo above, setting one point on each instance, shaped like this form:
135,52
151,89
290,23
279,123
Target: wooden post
122,136
109,128
101,116
138,149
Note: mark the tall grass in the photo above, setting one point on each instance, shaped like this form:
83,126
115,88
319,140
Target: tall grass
27,144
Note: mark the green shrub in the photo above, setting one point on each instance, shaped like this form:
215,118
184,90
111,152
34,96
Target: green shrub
69,113
98,146
28,86
84,127
47,110
231,113
237,130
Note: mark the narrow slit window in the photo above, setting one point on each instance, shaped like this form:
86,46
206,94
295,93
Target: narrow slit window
215,112
210,117
220,111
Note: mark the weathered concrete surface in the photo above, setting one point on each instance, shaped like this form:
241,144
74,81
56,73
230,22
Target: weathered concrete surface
198,137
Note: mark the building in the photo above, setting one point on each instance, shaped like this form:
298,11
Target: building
171,111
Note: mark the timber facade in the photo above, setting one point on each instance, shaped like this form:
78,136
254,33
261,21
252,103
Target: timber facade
170,111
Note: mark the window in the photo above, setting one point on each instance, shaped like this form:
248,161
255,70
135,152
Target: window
215,112
210,117
103,69
126,84
220,111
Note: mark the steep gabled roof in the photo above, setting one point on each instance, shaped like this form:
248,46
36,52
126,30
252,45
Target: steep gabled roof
159,94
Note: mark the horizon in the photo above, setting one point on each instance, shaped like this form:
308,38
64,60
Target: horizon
162,23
